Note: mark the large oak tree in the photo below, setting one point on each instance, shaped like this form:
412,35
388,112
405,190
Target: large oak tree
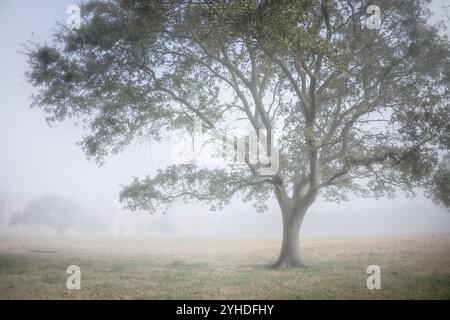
360,111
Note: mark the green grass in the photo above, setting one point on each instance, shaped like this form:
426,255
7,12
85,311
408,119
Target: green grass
412,267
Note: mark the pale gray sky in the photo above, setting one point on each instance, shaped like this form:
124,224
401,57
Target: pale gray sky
36,159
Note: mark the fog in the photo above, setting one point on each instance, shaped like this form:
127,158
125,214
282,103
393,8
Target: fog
38,161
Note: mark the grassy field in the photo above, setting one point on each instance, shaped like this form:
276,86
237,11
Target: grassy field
412,267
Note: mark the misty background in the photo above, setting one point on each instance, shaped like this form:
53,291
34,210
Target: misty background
45,175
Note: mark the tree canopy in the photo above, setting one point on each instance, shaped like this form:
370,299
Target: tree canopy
359,111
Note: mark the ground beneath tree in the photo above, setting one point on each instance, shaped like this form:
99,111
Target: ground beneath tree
412,267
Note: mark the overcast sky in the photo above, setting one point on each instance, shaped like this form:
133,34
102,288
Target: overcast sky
36,160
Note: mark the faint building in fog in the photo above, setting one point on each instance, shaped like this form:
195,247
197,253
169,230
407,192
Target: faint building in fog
10,204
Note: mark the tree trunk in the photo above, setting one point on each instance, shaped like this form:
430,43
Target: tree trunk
290,247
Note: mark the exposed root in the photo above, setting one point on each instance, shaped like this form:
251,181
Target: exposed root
283,264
